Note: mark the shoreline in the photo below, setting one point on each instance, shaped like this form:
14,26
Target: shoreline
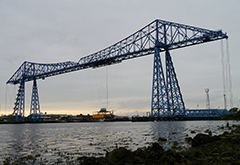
204,149
136,119
44,122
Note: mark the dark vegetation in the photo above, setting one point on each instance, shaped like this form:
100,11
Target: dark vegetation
234,114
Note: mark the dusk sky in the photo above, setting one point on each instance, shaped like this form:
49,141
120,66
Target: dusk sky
51,31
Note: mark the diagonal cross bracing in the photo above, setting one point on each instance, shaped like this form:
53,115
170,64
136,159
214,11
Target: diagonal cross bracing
175,103
29,70
159,93
169,35
18,110
205,113
35,113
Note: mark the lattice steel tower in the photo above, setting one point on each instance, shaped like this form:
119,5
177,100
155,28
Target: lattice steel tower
35,114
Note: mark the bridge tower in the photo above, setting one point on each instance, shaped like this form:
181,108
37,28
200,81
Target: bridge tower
167,99
18,110
35,114
176,106
159,93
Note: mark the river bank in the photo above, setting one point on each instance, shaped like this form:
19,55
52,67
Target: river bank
205,149
222,148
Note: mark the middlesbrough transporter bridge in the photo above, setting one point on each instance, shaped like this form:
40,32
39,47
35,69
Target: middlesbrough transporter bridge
156,37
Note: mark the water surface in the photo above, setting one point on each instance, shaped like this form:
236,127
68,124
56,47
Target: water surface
50,142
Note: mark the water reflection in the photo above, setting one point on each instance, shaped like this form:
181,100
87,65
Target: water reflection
172,131
20,139
179,130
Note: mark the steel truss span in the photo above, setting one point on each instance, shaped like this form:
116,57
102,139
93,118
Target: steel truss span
156,37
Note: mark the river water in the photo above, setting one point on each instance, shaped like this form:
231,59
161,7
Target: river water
55,141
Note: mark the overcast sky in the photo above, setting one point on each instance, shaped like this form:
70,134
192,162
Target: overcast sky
50,31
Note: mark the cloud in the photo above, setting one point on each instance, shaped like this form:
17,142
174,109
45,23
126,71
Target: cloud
55,31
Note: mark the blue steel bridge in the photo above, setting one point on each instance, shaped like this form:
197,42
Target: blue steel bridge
158,37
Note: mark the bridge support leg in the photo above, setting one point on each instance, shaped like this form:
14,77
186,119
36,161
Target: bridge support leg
18,110
35,114
159,99
175,104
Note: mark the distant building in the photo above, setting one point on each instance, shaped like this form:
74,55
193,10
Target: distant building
52,117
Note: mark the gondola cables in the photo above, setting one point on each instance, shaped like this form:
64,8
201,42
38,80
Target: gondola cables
226,75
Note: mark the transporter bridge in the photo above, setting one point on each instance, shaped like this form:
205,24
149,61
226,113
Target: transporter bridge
156,37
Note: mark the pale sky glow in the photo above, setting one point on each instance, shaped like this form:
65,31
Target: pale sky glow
51,31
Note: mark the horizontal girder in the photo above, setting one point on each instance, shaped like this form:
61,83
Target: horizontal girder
205,113
162,34
29,70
